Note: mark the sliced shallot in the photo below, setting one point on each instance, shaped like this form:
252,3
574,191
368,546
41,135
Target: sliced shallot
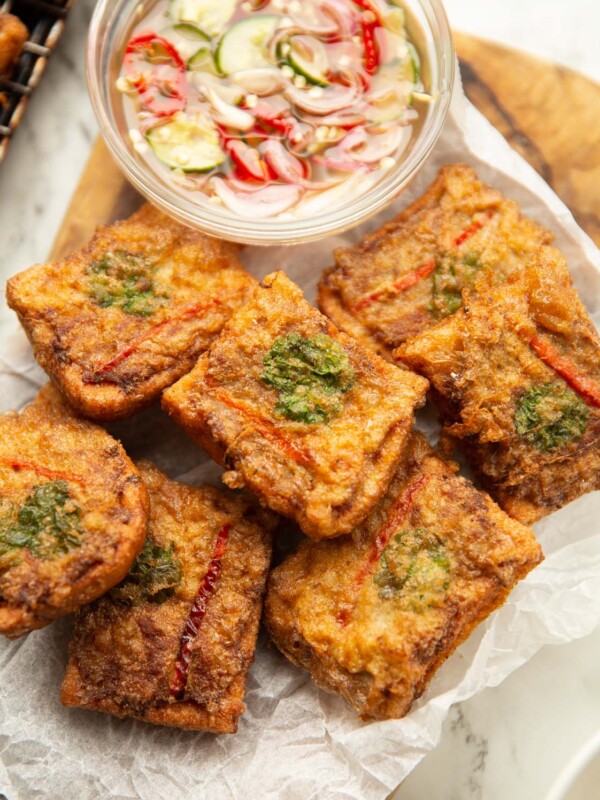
325,29
228,115
262,81
330,101
369,150
343,13
264,203
280,36
325,201
347,121
290,169
339,164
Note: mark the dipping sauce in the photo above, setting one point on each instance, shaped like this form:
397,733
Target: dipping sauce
272,108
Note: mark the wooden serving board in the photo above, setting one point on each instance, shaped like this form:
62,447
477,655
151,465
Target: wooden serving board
549,114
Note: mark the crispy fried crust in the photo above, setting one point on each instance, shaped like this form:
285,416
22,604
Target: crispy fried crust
483,360
13,35
47,442
326,476
328,610
110,362
122,656
457,215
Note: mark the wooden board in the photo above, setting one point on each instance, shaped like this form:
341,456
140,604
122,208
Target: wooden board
549,114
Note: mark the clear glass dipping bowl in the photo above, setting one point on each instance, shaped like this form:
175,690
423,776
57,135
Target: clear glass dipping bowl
110,29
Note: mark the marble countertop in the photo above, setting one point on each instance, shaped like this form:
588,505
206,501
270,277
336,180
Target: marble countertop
509,742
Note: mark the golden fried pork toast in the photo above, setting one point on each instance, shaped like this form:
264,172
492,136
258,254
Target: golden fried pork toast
73,513
405,277
299,413
373,615
517,377
172,644
115,323
13,35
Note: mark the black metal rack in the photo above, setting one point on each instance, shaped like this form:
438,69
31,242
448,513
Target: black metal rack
45,20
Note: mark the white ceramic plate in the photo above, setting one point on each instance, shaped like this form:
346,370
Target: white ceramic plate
580,779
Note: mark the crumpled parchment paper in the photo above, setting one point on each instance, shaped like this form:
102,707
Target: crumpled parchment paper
296,742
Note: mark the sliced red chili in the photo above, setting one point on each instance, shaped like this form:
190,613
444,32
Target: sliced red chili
197,613
473,228
370,20
267,429
403,284
154,49
163,88
567,370
98,373
372,55
250,165
367,5
277,120
396,516
46,472
408,281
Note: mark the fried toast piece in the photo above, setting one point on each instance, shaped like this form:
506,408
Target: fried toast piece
73,513
517,377
373,615
298,412
172,644
406,276
13,35
118,321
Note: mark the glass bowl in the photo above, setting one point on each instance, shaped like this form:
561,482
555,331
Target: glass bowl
110,29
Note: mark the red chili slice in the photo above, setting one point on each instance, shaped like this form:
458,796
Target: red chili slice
250,165
371,48
149,45
285,165
563,366
403,284
163,89
96,375
267,429
474,227
46,472
396,516
424,271
197,613
274,119
369,23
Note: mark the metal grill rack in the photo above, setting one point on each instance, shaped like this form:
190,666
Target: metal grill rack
45,20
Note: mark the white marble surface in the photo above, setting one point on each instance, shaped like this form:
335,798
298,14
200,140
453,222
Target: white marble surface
509,742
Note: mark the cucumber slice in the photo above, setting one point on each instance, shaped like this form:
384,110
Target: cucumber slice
414,63
229,94
307,56
395,22
244,45
187,39
190,143
390,93
202,60
191,31
390,111
210,16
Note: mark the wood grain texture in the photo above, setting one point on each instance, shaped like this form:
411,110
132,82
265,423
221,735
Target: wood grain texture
549,114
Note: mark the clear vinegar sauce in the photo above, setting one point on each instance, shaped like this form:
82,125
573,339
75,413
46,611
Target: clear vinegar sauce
275,109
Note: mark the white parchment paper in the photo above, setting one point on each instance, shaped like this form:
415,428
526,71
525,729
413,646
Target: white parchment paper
296,742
